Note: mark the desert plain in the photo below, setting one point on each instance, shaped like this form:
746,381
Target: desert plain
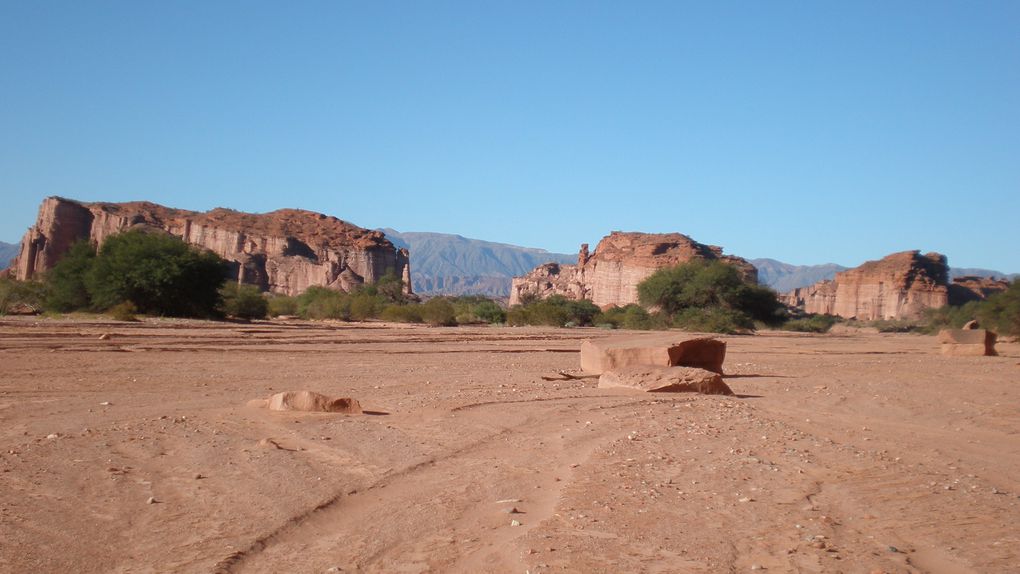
130,447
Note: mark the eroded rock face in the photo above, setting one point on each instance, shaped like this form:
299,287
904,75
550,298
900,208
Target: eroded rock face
665,380
969,288
285,251
621,260
669,350
899,286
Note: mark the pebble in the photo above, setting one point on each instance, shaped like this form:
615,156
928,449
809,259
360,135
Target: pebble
515,523
151,500
746,499
52,436
105,404
512,510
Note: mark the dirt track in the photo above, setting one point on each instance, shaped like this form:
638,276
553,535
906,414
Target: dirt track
844,453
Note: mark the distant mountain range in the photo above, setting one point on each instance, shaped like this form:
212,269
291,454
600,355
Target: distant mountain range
7,252
785,277
445,264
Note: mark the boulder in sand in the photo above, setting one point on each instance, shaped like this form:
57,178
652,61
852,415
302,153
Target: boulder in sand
670,350
968,342
308,401
665,380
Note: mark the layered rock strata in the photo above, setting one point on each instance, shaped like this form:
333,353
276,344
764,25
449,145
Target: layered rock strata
665,380
285,251
899,286
610,276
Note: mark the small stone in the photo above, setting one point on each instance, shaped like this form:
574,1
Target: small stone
151,500
105,404
52,436
515,523
893,549
512,510
199,476
746,499
104,336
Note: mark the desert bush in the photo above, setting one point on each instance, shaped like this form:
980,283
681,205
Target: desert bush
438,311
366,305
159,273
477,309
629,317
281,305
710,295
811,324
555,311
713,320
65,282
243,301
1001,312
398,313
124,311
896,325
31,294
324,303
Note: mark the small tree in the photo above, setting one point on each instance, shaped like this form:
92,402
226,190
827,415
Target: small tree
159,273
65,282
244,301
439,312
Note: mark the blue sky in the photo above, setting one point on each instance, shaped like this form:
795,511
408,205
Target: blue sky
808,132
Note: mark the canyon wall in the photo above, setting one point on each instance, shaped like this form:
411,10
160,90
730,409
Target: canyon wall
610,276
285,251
899,286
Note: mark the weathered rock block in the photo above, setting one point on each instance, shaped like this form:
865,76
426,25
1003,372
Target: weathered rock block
968,342
308,401
665,380
657,350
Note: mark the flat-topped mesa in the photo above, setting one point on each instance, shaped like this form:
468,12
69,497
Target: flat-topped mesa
610,276
898,286
285,251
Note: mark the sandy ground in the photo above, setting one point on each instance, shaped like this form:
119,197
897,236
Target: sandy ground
843,453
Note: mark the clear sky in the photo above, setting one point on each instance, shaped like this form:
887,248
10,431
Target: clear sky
809,132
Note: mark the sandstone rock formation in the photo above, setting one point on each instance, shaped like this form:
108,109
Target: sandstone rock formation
621,260
665,380
967,342
669,350
285,251
967,288
308,401
899,286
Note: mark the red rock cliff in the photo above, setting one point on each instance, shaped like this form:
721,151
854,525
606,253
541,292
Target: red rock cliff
285,251
899,286
621,260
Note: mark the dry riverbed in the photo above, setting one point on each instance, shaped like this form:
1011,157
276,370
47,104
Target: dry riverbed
128,447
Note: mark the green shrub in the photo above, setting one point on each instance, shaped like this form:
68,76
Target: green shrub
439,312
65,282
710,296
628,317
401,313
554,311
1001,312
282,305
477,309
125,311
243,301
365,305
713,320
811,324
896,325
13,294
159,273
324,303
